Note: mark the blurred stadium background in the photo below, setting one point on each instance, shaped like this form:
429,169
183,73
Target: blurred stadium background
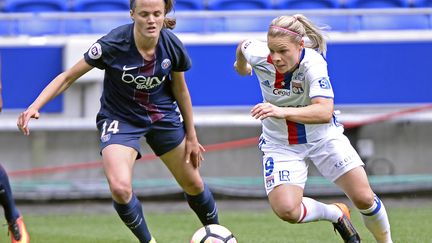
379,64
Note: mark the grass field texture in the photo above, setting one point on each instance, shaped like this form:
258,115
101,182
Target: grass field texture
409,225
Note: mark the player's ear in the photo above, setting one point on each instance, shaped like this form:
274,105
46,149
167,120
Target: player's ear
302,44
131,15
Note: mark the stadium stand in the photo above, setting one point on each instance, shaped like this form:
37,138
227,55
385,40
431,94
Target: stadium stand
35,25
334,23
35,6
307,4
190,23
100,6
239,4
377,3
421,3
97,24
242,23
389,21
189,5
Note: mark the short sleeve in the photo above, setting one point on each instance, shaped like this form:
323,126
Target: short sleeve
320,85
95,55
254,51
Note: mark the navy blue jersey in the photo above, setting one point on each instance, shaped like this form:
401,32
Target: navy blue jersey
137,90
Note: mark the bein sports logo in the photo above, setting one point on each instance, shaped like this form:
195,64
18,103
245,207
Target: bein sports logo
142,82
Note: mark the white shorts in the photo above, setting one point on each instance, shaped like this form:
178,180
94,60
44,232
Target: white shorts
333,157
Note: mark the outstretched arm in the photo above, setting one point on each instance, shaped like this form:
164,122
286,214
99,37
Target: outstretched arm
241,65
54,88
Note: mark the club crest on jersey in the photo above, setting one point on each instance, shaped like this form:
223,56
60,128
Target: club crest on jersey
296,87
105,138
95,51
166,63
299,76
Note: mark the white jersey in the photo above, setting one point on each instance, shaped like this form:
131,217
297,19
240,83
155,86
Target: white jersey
294,89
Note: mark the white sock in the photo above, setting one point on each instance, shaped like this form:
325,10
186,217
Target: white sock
376,220
312,210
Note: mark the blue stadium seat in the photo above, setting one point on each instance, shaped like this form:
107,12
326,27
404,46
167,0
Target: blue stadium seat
7,27
237,23
377,3
307,4
335,22
189,5
422,3
395,22
190,24
36,26
389,21
238,4
99,24
100,5
35,6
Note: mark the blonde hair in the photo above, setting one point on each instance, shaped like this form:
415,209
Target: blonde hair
297,26
169,23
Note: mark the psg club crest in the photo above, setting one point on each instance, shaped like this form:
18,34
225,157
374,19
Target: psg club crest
166,63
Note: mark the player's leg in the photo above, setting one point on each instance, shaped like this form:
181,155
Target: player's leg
198,195
17,229
118,161
119,148
356,186
285,174
338,161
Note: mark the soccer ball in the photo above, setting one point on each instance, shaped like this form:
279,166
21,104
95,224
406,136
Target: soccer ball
213,233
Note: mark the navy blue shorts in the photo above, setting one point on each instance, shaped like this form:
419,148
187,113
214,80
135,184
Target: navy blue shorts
162,136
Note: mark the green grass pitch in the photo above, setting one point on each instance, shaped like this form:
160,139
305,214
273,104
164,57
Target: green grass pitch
411,224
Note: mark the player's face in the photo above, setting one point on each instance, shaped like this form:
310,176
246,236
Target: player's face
149,17
284,53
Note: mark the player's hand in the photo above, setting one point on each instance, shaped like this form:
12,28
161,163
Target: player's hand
194,152
24,119
263,110
243,69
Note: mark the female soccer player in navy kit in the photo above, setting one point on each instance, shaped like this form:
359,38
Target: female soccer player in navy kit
144,84
16,226
299,126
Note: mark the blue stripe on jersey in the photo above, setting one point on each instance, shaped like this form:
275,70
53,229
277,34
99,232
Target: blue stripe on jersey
296,133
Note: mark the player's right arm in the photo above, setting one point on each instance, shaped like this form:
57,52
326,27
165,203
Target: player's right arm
241,65
54,88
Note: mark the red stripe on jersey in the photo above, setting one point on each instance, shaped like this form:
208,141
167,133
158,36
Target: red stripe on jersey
149,67
279,76
292,132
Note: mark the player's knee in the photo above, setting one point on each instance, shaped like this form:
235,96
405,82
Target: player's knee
363,200
194,187
287,213
121,192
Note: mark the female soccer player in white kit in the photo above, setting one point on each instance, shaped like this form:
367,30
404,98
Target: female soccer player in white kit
299,125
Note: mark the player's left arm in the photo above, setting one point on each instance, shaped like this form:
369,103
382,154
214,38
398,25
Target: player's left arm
320,111
181,93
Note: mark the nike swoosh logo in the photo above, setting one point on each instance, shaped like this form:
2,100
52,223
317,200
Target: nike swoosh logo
125,68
